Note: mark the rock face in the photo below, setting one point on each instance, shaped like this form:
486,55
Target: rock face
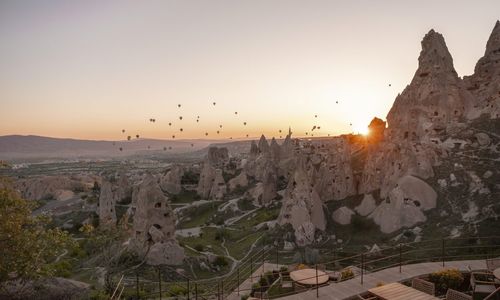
239,181
435,97
47,289
302,208
50,187
107,202
484,84
154,226
405,205
217,157
170,182
343,215
376,131
367,205
212,184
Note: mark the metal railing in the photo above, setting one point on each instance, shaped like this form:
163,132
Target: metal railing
436,250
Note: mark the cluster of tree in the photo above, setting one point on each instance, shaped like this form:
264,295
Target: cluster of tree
29,249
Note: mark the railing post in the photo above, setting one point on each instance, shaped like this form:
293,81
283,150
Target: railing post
137,285
400,257
222,289
238,278
196,291
159,281
362,266
188,290
218,290
263,253
317,285
251,269
442,251
277,257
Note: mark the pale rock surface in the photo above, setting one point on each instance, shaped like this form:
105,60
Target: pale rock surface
484,84
154,226
239,181
211,184
219,187
47,187
170,182
405,205
302,208
107,202
343,215
482,138
366,206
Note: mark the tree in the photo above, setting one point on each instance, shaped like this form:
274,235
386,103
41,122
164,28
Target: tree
28,249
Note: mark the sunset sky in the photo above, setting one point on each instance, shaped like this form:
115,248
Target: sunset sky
88,69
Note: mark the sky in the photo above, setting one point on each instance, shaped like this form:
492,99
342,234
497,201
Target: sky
88,69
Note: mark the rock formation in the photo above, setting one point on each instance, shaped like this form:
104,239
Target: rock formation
343,215
405,205
239,181
302,208
212,184
154,226
107,202
170,182
435,97
50,187
484,84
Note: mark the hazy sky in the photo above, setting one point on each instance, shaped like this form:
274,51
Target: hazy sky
88,69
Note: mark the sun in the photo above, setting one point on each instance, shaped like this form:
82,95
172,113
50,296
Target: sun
363,130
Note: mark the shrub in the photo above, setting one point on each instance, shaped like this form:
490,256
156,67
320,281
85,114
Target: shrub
445,279
245,297
199,247
263,281
177,290
346,274
220,261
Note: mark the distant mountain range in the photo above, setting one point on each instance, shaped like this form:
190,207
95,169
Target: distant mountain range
31,146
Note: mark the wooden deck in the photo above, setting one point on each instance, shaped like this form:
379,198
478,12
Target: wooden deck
398,291
350,288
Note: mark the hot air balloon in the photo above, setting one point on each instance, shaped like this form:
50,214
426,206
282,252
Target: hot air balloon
129,137
137,136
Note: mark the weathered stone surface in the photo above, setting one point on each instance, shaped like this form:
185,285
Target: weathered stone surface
107,202
154,225
367,205
219,187
48,187
343,215
435,97
302,208
46,289
217,156
170,182
482,138
405,205
263,145
211,184
484,84
239,181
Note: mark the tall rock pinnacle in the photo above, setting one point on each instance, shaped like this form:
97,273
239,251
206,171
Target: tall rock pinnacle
493,45
435,97
434,58
484,84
